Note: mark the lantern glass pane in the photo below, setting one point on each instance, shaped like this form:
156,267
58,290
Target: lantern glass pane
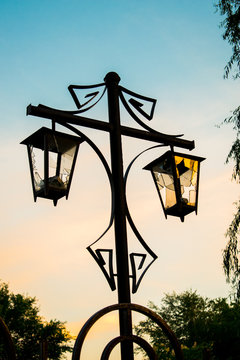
52,164
38,168
187,170
66,165
55,181
170,197
164,178
61,155
60,166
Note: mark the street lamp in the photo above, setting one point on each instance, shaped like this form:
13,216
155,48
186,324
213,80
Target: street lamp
175,172
176,177
52,156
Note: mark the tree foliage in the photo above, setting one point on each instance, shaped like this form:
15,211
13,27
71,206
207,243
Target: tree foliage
28,329
230,9
231,251
204,327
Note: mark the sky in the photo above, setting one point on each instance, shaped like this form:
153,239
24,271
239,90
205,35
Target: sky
172,51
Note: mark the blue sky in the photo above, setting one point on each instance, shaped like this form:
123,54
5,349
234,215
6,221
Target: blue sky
57,42
169,50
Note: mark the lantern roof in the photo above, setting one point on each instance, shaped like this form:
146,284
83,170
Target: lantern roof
65,144
170,153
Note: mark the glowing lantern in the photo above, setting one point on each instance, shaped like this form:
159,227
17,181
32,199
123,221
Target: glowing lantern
176,177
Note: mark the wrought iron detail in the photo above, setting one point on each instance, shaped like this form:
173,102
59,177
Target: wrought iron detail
138,106
133,338
133,257
107,268
129,307
82,100
89,96
137,280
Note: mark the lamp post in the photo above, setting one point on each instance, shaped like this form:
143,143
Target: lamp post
120,213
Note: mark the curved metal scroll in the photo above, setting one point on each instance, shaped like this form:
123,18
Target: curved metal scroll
135,282
129,307
135,339
80,106
138,106
97,255
4,332
90,96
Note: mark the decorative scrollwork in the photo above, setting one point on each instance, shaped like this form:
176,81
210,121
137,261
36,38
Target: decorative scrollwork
135,339
133,257
85,99
138,106
137,280
107,268
89,96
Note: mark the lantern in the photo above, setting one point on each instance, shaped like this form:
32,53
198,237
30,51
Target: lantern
52,156
176,177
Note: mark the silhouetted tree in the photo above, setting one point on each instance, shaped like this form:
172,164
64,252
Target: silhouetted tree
206,328
28,329
230,9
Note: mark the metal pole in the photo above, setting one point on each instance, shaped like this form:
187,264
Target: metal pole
112,79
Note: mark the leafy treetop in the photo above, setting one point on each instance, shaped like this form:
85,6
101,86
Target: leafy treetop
28,329
206,328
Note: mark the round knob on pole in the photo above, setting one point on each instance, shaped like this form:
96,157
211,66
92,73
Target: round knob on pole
112,77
